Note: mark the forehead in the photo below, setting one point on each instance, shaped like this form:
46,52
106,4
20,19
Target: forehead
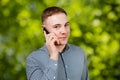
60,18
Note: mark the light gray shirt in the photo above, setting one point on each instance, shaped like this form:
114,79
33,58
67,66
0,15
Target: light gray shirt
71,65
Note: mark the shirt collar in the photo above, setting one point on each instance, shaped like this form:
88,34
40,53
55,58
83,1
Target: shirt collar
65,49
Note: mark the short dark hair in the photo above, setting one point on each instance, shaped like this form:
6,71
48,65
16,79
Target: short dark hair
51,11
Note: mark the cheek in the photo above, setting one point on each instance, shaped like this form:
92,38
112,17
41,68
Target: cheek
68,31
56,33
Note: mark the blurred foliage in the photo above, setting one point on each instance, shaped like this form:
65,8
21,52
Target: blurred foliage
95,27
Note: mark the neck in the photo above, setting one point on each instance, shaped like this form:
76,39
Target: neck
61,47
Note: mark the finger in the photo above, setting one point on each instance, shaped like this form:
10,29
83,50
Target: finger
56,39
45,35
52,39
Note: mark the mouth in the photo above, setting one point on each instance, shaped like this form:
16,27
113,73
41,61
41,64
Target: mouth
63,38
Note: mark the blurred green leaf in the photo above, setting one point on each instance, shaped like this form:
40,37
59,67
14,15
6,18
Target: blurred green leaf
95,27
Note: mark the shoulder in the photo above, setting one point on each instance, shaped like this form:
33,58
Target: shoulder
76,49
39,55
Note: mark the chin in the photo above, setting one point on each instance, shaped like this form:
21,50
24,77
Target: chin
63,42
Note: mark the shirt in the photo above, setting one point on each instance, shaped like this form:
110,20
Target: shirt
71,65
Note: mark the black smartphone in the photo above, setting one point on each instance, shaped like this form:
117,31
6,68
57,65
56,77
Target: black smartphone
47,32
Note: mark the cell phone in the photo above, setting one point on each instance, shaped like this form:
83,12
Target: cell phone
47,32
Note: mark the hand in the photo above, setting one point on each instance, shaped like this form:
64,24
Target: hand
51,44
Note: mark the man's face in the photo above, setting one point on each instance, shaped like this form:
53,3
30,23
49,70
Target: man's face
59,25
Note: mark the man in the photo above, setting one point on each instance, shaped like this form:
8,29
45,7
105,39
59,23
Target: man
56,60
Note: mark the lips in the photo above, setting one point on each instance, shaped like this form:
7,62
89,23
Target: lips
63,38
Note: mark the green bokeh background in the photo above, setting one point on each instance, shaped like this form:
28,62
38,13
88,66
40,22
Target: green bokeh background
95,27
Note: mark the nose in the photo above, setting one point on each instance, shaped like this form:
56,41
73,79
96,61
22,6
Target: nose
63,30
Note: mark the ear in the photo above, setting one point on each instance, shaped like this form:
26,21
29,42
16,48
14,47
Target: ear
43,26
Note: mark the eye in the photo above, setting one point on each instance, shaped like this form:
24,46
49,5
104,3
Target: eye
67,24
57,26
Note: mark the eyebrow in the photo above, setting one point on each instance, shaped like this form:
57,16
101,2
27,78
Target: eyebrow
56,25
66,22
60,24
